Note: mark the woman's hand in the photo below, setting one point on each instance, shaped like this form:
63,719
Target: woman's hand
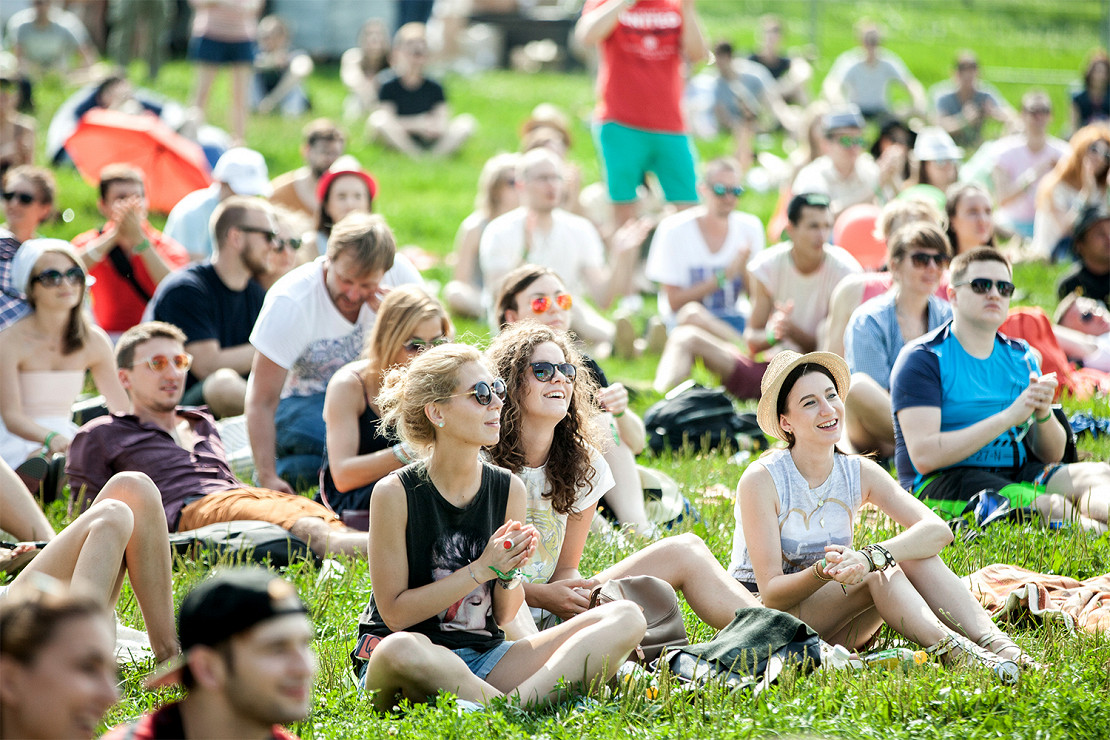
613,399
564,599
511,546
59,443
845,565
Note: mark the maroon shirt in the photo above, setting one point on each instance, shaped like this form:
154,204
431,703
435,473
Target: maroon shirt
120,442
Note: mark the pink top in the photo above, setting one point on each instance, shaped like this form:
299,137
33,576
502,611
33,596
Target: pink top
225,20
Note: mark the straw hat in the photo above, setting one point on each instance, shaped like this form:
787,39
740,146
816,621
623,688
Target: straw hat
781,366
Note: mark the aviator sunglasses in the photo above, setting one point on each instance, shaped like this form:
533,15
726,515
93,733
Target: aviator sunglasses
541,304
483,392
54,278
982,286
158,363
545,371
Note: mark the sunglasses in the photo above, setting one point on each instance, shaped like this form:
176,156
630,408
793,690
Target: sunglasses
158,363
722,190
541,304
54,278
24,198
982,286
292,243
922,259
850,141
545,371
271,236
483,392
416,345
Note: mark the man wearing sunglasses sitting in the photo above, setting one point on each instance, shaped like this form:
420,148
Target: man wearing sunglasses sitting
216,303
972,411
845,173
127,257
181,451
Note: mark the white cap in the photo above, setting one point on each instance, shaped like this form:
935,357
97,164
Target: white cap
244,171
934,144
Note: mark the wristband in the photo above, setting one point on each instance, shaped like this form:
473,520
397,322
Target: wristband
618,415
46,442
504,576
141,247
770,337
817,574
1047,418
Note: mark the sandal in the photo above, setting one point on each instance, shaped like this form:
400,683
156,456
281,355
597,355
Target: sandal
34,468
956,650
1005,642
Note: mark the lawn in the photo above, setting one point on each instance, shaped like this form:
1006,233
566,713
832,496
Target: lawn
1017,42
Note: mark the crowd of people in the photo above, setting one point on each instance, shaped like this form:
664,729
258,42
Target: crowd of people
869,318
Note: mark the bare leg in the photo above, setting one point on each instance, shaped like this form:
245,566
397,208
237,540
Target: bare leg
408,665
867,416
460,128
695,314
240,81
627,496
20,514
623,212
1086,486
687,344
590,326
225,392
588,647
688,565
206,74
463,299
388,130
325,541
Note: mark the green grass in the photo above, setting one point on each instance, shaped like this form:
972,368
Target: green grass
424,203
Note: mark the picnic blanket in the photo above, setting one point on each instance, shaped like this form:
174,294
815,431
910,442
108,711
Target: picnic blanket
1013,592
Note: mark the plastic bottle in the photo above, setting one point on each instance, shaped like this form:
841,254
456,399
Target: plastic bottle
896,658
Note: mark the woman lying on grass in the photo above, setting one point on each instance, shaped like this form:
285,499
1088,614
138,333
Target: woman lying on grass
548,438
795,517
443,532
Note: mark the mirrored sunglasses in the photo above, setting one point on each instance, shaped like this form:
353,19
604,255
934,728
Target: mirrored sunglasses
53,278
416,345
483,392
541,304
982,286
158,363
722,190
922,259
545,371
850,141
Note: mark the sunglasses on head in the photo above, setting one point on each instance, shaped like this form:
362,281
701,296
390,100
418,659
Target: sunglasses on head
922,259
541,304
545,371
24,198
158,363
982,286
417,345
483,392
850,141
53,278
722,190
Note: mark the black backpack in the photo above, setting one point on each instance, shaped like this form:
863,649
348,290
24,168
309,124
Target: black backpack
701,417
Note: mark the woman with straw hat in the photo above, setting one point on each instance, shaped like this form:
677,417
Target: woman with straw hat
796,513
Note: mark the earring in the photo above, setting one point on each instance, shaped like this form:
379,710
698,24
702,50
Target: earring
440,425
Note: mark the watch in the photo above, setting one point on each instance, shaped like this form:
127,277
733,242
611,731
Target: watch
879,556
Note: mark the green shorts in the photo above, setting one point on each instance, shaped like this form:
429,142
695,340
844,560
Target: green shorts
627,154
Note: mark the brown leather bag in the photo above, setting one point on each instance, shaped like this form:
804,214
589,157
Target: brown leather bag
661,609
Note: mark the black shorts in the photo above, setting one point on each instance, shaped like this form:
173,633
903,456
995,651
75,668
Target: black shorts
949,491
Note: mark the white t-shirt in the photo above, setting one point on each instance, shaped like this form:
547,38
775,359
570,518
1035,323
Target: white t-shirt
551,525
821,176
680,257
300,329
774,269
866,84
572,246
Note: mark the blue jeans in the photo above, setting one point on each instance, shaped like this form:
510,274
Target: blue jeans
300,436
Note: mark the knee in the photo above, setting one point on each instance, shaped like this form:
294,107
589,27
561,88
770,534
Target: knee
690,314
687,548
134,489
111,518
684,338
627,619
403,654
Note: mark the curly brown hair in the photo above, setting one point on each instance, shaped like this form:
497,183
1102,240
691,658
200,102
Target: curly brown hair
575,440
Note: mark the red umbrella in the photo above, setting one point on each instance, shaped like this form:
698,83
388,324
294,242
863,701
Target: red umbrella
172,164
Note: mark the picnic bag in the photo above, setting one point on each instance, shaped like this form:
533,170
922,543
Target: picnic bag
698,415
659,603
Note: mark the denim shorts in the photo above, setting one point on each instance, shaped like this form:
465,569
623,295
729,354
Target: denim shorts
480,664
211,51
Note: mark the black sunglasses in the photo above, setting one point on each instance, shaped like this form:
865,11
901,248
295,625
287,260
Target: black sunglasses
483,392
922,259
982,286
417,345
293,243
271,236
54,278
545,371
24,198
722,190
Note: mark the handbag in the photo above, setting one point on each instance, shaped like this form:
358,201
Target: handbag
657,599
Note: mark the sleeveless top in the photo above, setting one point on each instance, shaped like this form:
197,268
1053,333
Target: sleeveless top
441,538
369,440
809,518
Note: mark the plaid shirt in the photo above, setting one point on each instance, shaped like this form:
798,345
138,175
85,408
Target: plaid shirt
12,306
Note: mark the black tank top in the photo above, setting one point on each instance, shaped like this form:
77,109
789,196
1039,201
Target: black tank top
370,440
440,538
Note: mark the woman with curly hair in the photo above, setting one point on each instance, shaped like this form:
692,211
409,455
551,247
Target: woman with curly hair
549,439
443,531
1078,181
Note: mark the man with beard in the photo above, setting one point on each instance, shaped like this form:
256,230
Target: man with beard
296,190
216,303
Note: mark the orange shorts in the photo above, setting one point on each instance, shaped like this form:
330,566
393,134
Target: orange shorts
261,504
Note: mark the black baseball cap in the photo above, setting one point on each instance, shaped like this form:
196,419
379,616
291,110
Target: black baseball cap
228,603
